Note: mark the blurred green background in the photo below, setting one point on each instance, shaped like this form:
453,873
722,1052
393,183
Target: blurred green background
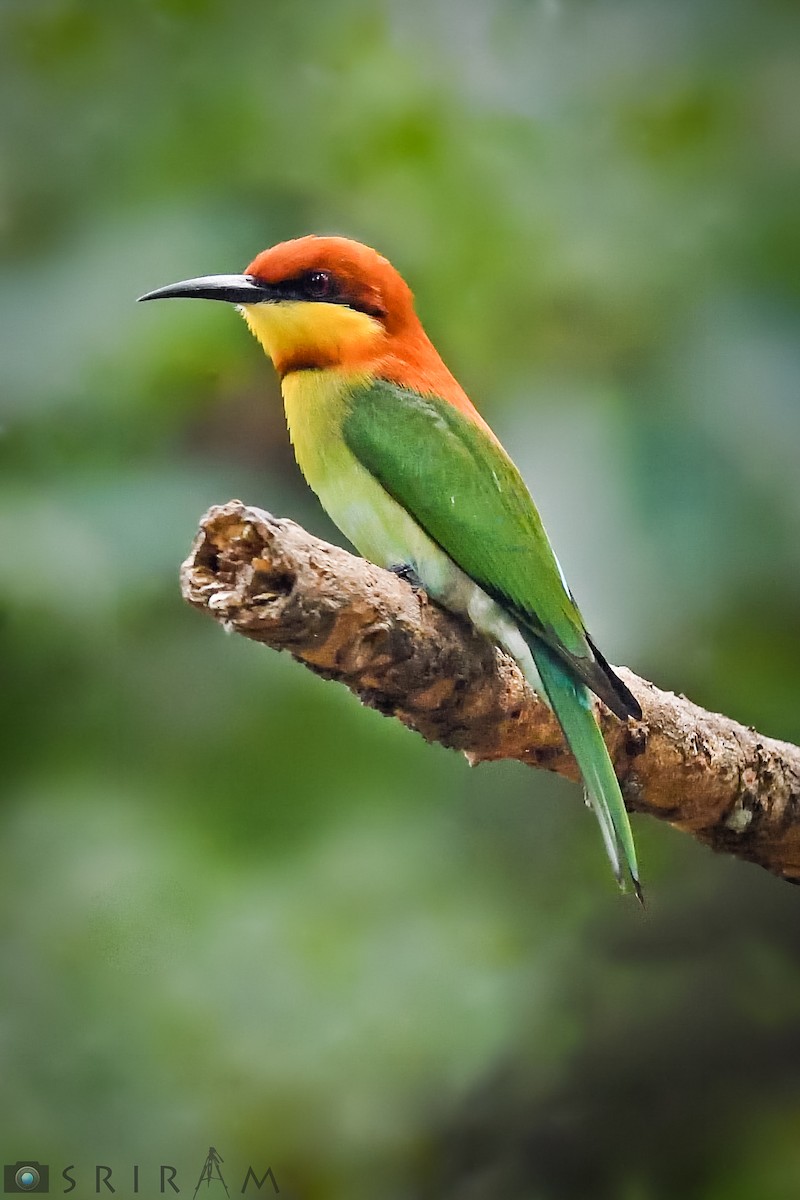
237,908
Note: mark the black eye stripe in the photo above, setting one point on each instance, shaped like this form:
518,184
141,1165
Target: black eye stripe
301,288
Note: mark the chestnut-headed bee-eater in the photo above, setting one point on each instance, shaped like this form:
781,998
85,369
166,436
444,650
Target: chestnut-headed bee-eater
415,478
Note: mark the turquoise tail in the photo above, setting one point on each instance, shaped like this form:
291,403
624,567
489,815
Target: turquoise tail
572,705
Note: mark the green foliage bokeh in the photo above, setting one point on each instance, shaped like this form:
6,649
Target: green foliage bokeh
237,908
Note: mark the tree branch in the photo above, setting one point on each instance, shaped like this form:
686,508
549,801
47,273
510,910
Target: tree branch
348,620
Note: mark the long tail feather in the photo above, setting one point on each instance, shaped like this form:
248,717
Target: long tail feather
572,705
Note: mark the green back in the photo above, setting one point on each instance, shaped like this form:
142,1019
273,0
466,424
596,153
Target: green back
465,492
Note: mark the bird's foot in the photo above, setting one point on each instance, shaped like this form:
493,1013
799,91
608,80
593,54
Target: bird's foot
406,571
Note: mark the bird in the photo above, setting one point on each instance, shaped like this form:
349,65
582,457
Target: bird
415,478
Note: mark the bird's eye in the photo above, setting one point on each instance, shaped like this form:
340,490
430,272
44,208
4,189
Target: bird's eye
318,284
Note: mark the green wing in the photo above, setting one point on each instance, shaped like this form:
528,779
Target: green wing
465,492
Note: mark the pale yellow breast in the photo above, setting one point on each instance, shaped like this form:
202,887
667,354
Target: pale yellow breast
315,403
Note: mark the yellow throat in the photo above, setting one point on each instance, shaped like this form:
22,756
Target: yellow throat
299,334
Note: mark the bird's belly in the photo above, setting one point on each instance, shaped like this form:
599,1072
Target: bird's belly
382,530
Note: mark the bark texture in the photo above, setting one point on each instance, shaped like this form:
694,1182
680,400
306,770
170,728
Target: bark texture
269,580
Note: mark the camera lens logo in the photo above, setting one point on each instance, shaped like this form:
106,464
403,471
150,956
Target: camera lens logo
26,1177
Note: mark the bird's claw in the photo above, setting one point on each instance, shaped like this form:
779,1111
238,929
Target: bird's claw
406,571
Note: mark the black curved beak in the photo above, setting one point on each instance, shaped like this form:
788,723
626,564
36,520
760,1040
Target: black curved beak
233,289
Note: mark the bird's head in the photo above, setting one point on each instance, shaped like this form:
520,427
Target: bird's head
314,302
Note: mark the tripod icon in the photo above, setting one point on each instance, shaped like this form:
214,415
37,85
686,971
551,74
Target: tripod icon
211,1170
